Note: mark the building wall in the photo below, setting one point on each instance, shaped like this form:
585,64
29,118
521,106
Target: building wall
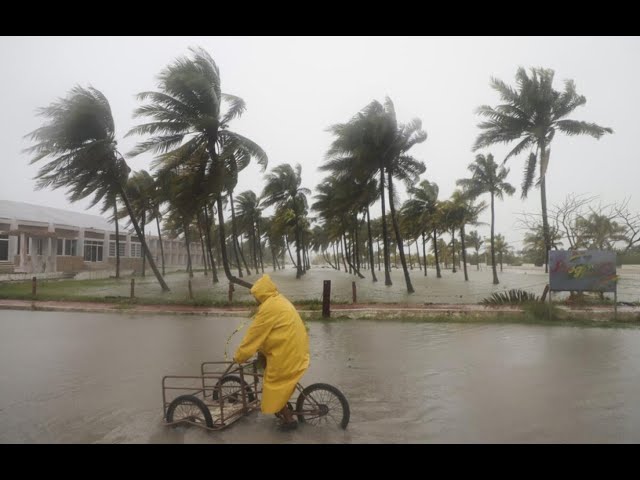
68,264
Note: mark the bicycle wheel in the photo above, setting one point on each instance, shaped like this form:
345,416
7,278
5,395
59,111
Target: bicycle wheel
323,404
188,408
231,388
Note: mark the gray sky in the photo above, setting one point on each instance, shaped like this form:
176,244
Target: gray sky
295,87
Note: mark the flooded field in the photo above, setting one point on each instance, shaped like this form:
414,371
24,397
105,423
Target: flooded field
96,378
451,288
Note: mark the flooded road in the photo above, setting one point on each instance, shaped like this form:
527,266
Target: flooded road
96,378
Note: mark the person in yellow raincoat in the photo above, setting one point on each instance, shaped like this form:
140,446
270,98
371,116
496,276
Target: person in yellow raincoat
277,331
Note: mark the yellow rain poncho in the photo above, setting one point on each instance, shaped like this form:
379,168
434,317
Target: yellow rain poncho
278,332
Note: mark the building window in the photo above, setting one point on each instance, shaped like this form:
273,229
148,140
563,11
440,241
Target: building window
38,244
60,246
93,251
4,248
112,248
71,248
136,249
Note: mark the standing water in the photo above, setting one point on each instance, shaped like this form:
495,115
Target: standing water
96,378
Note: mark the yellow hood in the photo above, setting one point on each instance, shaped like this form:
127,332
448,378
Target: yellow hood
264,288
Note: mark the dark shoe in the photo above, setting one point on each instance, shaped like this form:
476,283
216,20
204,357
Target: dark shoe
285,427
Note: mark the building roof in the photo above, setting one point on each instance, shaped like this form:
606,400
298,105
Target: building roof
28,212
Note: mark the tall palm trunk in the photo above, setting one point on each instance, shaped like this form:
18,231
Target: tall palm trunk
396,228
115,216
286,239
543,196
493,251
209,224
223,249
260,247
160,240
204,257
464,253
351,266
378,252
424,253
344,261
435,251
453,250
335,256
385,237
145,248
144,223
187,242
477,259
234,241
298,246
371,262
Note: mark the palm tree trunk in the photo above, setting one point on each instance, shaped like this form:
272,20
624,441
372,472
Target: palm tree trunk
378,252
396,228
273,258
160,240
147,253
298,246
351,266
260,246
435,251
409,253
373,270
115,216
385,236
187,242
453,250
493,252
234,241
286,239
477,259
204,257
545,219
223,249
241,250
144,223
207,234
464,254
341,251
424,253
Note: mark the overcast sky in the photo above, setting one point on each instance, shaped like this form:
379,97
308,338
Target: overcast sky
295,87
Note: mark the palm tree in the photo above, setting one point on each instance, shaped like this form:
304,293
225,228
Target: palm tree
79,138
371,143
283,189
599,231
187,115
502,248
531,114
475,241
464,212
486,177
249,218
423,206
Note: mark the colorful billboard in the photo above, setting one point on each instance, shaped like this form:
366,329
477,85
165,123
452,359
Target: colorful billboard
582,270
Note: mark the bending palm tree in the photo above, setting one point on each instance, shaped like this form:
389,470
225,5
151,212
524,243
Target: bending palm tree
80,140
487,178
283,189
532,114
187,115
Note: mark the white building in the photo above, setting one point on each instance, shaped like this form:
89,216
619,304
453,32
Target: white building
35,239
